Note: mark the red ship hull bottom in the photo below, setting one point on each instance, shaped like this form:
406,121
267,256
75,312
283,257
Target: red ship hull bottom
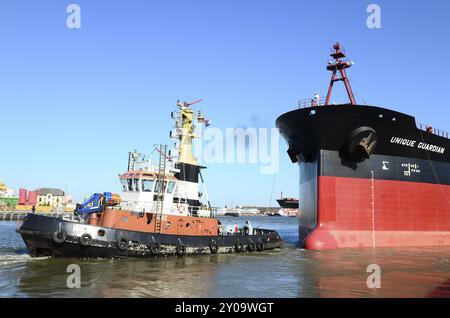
380,213
322,239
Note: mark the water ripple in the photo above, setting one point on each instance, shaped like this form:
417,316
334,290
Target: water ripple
286,272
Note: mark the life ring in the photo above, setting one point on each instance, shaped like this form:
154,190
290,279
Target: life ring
85,239
155,248
122,244
238,247
181,250
251,247
59,237
213,247
260,246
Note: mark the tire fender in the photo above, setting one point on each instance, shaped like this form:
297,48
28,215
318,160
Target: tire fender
155,248
213,247
238,247
59,237
85,239
122,244
181,250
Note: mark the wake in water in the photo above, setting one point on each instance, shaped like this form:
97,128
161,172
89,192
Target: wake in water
12,256
12,249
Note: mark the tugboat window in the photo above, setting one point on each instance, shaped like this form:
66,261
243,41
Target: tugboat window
136,185
158,185
170,187
147,185
130,184
124,185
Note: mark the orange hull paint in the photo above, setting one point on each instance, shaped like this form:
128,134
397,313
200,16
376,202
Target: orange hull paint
147,222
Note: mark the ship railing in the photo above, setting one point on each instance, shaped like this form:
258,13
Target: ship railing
193,210
311,102
262,231
213,211
242,232
432,130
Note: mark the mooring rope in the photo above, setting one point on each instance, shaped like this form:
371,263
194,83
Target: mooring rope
434,171
273,187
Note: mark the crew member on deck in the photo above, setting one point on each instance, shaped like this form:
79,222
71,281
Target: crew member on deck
317,99
248,227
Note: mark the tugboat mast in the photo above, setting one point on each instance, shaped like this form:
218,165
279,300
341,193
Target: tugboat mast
339,65
186,132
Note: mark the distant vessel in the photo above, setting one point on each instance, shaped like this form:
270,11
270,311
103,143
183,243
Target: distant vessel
159,212
234,214
238,211
273,214
289,206
369,176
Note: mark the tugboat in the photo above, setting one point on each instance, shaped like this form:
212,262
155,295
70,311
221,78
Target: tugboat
159,211
369,176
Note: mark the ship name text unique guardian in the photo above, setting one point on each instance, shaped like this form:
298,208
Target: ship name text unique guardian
419,145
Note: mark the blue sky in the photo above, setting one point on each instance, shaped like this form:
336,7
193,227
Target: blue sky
74,102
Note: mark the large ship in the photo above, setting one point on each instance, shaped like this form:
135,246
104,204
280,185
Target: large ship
369,176
160,211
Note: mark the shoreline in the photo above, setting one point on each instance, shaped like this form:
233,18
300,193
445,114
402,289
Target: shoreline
20,215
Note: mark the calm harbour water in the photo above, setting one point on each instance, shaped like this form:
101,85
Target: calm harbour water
287,272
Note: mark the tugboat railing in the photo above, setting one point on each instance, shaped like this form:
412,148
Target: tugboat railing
431,130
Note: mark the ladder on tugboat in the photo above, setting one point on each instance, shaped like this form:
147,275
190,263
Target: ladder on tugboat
162,149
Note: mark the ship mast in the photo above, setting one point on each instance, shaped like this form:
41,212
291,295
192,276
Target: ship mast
339,65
